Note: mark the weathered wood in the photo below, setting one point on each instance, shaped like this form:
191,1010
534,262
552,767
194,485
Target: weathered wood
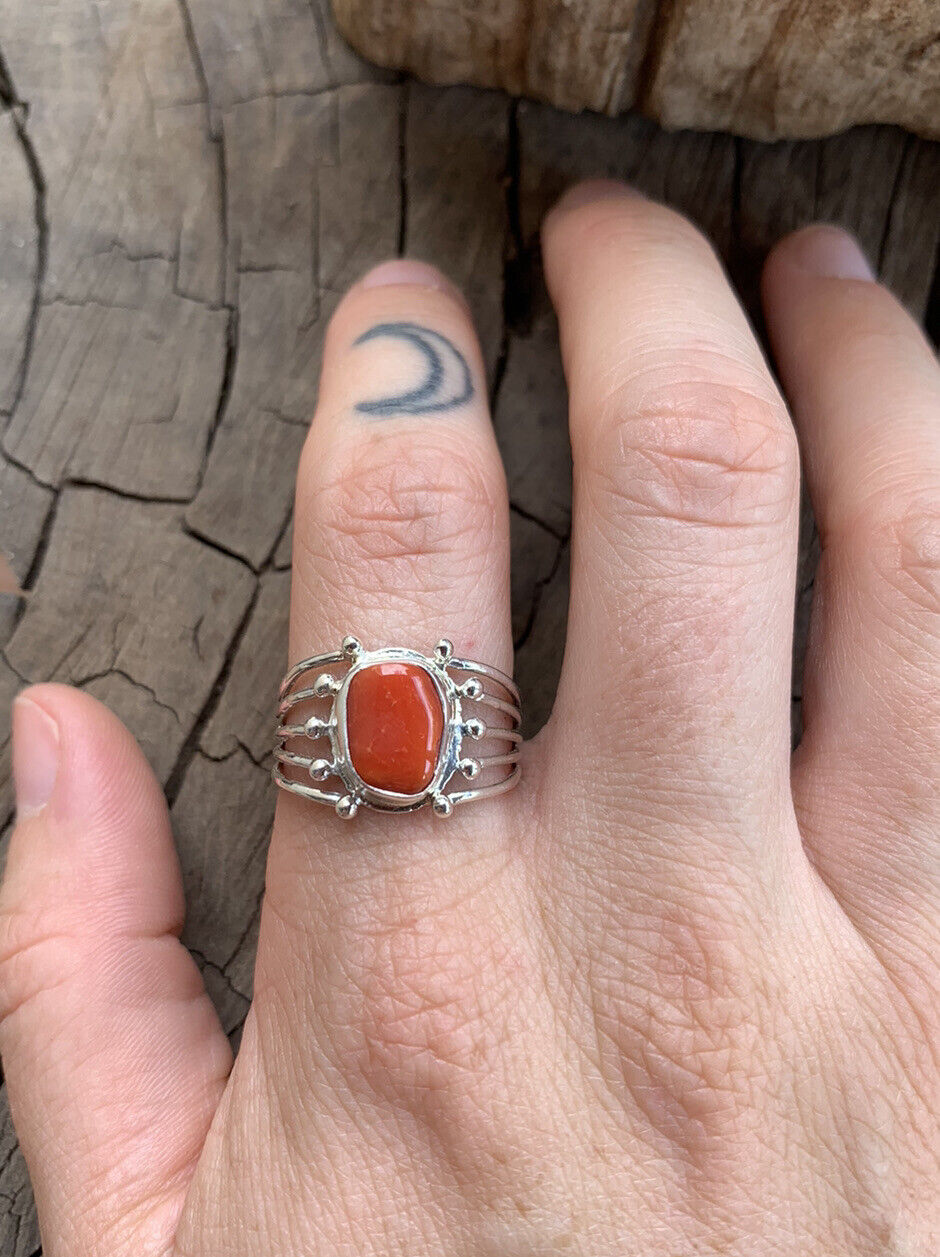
767,69
269,49
242,718
129,341
531,424
456,146
225,192
790,68
18,253
877,182
296,165
222,821
539,655
132,609
19,1233
24,507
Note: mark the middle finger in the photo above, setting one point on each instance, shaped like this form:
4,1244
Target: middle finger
685,523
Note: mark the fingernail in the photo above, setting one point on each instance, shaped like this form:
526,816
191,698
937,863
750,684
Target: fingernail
35,756
830,253
593,190
408,271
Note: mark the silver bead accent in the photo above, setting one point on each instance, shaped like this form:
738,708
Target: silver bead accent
325,774
442,805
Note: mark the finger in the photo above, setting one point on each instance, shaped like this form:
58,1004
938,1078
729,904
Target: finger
401,538
380,986
401,533
401,497
113,1054
676,678
865,389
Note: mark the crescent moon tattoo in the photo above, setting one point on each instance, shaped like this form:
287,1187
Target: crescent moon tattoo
447,382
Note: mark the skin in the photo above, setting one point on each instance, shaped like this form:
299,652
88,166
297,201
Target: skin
675,995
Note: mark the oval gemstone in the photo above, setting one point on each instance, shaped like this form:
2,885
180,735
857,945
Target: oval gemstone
394,726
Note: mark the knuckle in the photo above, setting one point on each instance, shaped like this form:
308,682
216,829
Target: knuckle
35,958
430,1016
685,1036
399,504
713,454
428,995
906,551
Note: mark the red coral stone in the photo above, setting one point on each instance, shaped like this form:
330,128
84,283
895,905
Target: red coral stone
394,726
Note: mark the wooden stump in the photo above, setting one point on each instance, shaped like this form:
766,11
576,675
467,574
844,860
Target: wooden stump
186,190
769,69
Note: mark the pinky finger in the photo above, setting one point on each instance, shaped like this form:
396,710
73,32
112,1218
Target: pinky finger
114,1058
865,389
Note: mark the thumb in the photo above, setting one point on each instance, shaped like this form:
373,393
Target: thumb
114,1058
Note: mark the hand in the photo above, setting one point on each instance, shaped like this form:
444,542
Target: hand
675,995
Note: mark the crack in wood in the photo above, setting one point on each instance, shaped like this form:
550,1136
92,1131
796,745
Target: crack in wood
537,593
906,149
113,670
292,93
561,537
33,570
190,746
403,169
263,761
225,393
198,64
205,963
211,544
512,248
19,111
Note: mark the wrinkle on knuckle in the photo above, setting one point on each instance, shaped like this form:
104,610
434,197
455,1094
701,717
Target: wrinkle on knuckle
423,1014
906,552
35,959
427,994
708,454
433,1012
402,505
685,1036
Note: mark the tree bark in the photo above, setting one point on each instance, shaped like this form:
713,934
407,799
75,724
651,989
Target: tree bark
769,69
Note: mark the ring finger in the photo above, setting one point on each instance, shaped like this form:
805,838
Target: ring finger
379,957
401,525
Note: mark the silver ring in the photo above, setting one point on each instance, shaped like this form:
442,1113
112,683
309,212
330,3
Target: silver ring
395,724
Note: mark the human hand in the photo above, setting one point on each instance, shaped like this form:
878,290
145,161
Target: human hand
677,994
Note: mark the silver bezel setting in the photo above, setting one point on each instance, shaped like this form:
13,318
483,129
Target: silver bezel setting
448,754
321,685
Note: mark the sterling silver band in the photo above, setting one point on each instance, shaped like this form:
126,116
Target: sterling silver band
312,709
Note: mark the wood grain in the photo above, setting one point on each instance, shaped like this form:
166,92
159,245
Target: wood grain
763,68
187,189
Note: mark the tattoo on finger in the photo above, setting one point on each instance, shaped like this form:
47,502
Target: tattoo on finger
447,382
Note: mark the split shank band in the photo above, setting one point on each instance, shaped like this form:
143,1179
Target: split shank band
391,732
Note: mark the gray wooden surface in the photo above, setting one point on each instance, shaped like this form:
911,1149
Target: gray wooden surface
186,187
